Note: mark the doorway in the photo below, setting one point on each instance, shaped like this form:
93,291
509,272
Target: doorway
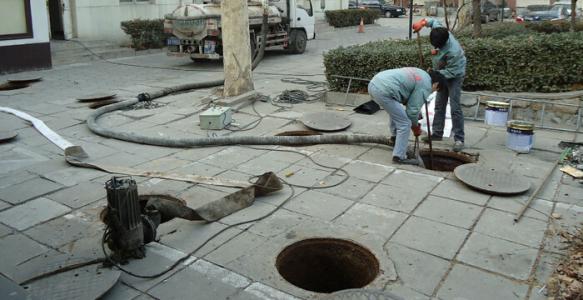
56,9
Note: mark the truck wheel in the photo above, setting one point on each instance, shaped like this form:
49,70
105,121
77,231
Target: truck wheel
297,42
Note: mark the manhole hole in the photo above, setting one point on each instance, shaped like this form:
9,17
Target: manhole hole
9,86
444,160
326,265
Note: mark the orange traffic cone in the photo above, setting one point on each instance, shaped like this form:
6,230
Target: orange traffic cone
361,26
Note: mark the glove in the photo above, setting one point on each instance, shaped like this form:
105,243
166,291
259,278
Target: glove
416,129
434,51
419,25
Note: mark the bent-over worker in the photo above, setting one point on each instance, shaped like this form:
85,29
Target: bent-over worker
449,60
394,88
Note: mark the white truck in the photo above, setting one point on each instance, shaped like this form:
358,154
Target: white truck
196,28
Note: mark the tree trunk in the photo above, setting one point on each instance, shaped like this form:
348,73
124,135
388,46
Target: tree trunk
476,18
446,15
463,15
573,15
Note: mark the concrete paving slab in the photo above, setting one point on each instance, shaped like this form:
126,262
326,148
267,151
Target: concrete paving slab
394,198
236,247
417,271
539,209
230,157
4,205
372,219
16,177
198,195
32,213
278,223
122,159
454,189
499,224
260,165
158,258
405,292
255,211
430,237
412,180
570,219
120,291
259,291
16,158
15,249
500,256
203,279
570,194
469,283
378,155
163,164
163,186
319,205
186,236
352,189
79,195
72,176
450,212
66,229
367,171
305,176
5,230
545,267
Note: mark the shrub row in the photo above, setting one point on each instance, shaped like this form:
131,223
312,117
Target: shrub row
145,34
522,63
553,26
351,17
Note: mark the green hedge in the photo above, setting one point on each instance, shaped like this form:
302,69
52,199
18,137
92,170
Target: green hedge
351,17
496,30
553,26
145,34
523,63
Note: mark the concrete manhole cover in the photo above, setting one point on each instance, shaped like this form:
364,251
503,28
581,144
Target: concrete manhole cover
491,180
325,121
96,97
6,136
326,265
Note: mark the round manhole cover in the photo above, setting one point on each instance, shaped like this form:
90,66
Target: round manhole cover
326,265
96,97
6,136
491,180
326,121
444,160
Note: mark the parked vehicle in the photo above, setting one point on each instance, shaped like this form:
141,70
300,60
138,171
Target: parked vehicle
385,9
556,12
490,12
196,28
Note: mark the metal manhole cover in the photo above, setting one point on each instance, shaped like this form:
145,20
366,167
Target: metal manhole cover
89,282
363,294
490,180
6,136
25,80
96,97
326,121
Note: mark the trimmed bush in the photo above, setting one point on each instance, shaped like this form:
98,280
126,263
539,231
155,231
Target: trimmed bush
145,34
351,17
495,30
553,26
523,63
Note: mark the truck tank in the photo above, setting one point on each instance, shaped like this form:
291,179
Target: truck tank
195,21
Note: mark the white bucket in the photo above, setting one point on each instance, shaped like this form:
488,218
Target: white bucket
520,136
496,113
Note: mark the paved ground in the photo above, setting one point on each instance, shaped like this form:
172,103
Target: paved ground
433,237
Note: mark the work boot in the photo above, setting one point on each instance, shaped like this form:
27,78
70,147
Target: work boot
458,146
434,138
406,161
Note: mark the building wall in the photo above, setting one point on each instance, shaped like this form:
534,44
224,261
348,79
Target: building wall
329,5
100,19
28,53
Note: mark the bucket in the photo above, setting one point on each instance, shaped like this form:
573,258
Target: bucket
520,136
496,113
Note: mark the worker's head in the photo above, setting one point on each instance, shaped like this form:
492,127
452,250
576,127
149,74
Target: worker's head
438,81
438,37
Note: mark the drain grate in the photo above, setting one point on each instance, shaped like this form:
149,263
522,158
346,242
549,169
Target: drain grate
326,265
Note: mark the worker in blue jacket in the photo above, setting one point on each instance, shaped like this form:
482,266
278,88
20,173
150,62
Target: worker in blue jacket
402,92
449,60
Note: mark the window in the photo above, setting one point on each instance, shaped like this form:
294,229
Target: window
305,5
15,19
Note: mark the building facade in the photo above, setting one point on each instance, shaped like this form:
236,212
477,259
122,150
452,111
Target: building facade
24,36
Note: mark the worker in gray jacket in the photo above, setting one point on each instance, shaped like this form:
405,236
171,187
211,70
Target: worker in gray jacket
402,92
449,60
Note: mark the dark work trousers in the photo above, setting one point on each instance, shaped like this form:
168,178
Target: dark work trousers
453,91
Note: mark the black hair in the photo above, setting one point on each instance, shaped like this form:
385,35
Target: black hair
437,77
438,37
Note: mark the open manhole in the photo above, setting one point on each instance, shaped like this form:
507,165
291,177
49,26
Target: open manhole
326,265
444,160
8,86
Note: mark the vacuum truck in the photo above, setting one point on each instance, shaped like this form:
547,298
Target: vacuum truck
196,28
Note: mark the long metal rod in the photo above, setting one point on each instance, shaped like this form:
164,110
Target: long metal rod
429,136
533,195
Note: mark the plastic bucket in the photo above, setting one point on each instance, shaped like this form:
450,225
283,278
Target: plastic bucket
520,136
496,113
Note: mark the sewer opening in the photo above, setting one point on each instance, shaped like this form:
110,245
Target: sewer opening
326,265
8,86
445,160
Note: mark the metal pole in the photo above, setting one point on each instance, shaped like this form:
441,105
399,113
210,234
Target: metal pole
410,19
502,12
